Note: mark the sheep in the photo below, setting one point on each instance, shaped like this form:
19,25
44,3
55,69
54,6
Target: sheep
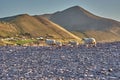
58,43
89,42
53,42
73,43
50,41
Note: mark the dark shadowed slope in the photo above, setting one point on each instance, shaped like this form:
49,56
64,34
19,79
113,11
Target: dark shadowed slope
78,19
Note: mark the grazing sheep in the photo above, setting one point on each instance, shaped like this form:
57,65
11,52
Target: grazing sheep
89,42
53,42
50,42
73,43
58,43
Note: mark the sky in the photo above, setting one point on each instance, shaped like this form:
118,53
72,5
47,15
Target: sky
103,8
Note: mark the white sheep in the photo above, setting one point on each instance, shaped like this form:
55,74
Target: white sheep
53,42
58,43
89,42
50,41
73,43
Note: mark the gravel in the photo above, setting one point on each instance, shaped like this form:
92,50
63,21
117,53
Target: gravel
60,63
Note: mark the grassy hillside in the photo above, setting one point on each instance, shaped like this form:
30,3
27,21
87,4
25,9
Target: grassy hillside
7,29
27,26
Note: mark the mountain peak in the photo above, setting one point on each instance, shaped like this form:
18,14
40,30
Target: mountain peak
76,8
77,18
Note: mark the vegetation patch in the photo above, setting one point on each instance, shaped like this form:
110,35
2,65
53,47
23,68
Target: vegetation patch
21,42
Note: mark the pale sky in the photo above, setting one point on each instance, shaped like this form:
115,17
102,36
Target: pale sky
103,8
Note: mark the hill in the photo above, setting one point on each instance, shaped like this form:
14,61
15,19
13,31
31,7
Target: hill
7,29
26,25
80,21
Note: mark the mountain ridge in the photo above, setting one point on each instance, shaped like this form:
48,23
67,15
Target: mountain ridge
82,18
77,19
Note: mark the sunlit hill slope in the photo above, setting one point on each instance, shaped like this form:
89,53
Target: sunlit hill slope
25,24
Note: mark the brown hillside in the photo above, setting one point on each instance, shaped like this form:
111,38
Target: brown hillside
39,27
7,29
